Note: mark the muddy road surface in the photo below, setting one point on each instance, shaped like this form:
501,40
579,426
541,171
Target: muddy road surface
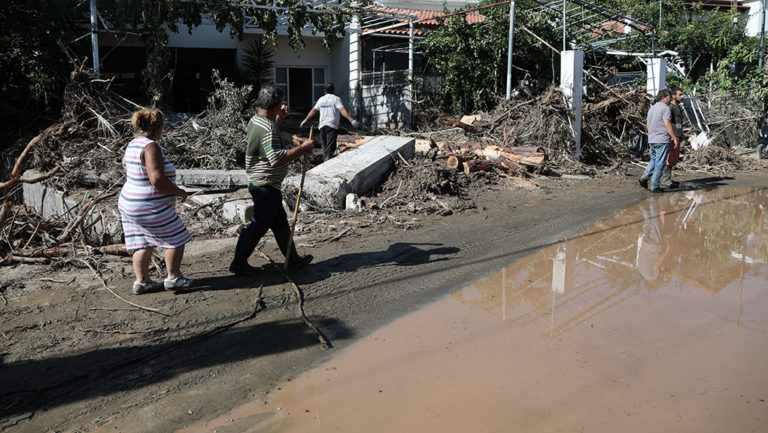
76,358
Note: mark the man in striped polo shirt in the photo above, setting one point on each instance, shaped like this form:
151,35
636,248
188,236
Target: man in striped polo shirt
266,164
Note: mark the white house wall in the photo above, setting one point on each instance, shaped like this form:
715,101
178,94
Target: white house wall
313,55
754,17
386,106
339,71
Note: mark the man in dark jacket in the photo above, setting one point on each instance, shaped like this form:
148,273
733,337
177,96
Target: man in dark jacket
676,108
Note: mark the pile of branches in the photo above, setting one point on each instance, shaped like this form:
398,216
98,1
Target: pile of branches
535,135
215,139
425,185
715,159
81,155
87,144
95,128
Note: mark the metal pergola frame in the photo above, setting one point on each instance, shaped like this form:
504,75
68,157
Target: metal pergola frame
586,20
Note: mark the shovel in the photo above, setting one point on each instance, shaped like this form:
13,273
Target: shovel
304,164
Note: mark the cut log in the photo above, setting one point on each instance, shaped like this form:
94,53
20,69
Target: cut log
461,156
453,162
115,249
43,252
600,105
509,166
474,165
422,147
447,148
456,123
525,156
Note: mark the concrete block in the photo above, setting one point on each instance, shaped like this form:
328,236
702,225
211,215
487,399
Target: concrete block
207,199
53,204
356,171
212,177
238,210
353,203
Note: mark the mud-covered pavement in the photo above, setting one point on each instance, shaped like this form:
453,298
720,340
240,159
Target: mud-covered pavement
76,358
651,320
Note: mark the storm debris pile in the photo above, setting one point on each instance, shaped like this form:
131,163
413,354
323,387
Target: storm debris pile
215,139
541,126
715,160
536,135
533,136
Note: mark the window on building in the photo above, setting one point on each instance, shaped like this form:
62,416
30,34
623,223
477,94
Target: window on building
301,86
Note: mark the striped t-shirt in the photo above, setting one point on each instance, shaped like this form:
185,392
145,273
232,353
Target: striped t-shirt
264,150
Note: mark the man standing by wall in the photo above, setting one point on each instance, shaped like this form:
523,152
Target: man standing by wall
330,108
266,164
676,109
660,134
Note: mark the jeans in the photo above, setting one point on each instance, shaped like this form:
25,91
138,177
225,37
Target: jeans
268,213
659,152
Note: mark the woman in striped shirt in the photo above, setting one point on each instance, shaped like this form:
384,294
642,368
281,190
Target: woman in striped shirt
147,205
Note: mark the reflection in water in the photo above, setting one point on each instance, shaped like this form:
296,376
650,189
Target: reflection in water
653,321
672,242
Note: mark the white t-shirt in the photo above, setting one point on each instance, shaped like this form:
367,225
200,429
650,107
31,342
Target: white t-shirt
328,106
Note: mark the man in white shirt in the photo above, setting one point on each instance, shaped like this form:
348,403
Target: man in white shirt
331,109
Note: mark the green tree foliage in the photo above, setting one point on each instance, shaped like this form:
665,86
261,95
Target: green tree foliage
711,44
258,63
32,63
473,57
712,47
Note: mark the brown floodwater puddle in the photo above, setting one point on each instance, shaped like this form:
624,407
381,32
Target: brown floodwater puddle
653,321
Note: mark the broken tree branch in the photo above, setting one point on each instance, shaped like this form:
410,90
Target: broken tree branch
104,283
300,309
83,213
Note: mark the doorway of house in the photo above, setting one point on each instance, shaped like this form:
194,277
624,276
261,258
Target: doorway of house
186,89
302,87
300,94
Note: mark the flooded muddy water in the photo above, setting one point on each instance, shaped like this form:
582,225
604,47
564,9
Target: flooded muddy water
653,321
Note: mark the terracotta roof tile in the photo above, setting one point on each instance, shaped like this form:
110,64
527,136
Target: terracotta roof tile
426,19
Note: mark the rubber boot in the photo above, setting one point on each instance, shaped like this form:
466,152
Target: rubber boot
666,178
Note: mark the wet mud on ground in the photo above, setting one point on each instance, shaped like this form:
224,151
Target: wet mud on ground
653,320
74,358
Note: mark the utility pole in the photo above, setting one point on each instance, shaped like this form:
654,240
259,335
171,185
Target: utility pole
660,2
762,34
565,5
95,39
510,47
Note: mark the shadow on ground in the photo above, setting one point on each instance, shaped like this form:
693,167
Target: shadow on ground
29,386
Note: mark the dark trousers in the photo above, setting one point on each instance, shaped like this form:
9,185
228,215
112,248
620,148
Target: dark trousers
268,213
328,137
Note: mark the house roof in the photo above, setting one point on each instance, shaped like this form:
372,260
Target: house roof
422,19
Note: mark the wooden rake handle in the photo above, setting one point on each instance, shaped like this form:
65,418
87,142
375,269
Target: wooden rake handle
304,165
